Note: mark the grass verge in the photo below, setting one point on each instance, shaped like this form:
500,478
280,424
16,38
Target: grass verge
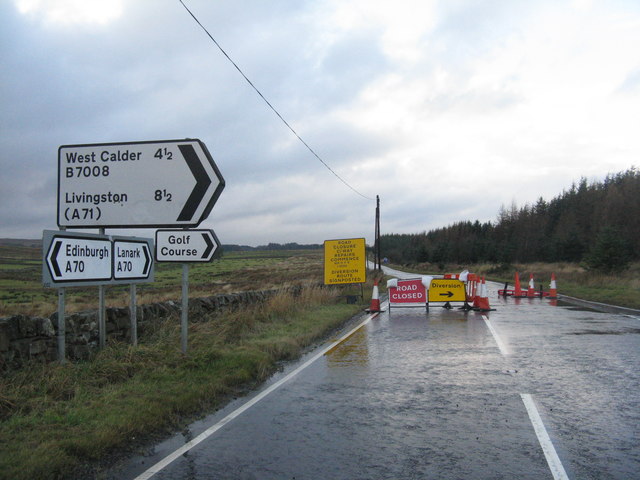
56,419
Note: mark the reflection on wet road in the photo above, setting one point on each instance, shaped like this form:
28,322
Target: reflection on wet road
431,396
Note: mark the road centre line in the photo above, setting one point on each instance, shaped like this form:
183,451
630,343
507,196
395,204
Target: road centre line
159,466
555,465
496,337
553,461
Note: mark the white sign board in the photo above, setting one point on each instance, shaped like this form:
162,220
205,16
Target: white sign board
131,259
73,259
166,183
83,259
186,246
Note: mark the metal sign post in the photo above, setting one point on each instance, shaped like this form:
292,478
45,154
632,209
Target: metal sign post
184,316
61,326
102,309
133,314
83,259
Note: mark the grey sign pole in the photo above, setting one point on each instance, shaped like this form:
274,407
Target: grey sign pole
62,330
102,324
185,307
133,313
61,326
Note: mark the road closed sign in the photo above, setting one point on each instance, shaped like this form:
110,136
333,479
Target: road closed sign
408,293
345,261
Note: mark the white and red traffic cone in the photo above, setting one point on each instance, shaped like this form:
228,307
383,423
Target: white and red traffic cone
531,291
375,299
553,289
483,300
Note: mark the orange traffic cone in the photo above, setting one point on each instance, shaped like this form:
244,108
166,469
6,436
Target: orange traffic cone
517,292
531,291
553,289
375,299
483,301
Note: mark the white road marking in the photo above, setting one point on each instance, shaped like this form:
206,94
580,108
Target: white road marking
239,411
496,337
555,465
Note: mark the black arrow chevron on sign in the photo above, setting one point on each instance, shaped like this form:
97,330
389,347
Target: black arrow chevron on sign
447,294
209,243
202,182
53,258
147,260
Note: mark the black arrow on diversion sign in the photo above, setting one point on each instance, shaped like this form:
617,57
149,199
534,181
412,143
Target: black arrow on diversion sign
202,182
448,294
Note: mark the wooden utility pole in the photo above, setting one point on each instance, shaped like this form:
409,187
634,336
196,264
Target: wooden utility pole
376,253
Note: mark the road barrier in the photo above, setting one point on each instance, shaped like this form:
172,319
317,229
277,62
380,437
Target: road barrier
531,292
449,288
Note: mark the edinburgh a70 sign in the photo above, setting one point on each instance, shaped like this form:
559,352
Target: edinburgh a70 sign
138,184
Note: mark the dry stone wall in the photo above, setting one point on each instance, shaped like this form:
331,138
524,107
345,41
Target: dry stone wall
24,338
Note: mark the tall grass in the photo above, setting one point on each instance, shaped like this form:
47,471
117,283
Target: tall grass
55,418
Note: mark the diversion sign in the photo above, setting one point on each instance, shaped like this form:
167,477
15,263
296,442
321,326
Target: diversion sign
345,261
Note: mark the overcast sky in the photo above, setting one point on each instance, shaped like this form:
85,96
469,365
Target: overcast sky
446,109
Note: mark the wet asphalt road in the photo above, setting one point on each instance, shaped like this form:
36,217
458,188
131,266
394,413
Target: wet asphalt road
439,396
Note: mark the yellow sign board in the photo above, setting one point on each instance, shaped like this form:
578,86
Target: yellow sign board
447,290
345,261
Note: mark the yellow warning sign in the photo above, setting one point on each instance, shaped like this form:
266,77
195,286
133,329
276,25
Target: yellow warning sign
345,261
447,290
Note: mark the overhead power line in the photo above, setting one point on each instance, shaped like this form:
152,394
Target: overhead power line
269,104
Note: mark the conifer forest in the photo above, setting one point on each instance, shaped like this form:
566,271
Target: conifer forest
596,224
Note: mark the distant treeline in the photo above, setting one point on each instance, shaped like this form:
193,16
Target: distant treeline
271,246
594,223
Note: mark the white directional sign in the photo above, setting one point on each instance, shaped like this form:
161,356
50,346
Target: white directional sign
139,184
186,246
132,259
82,259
